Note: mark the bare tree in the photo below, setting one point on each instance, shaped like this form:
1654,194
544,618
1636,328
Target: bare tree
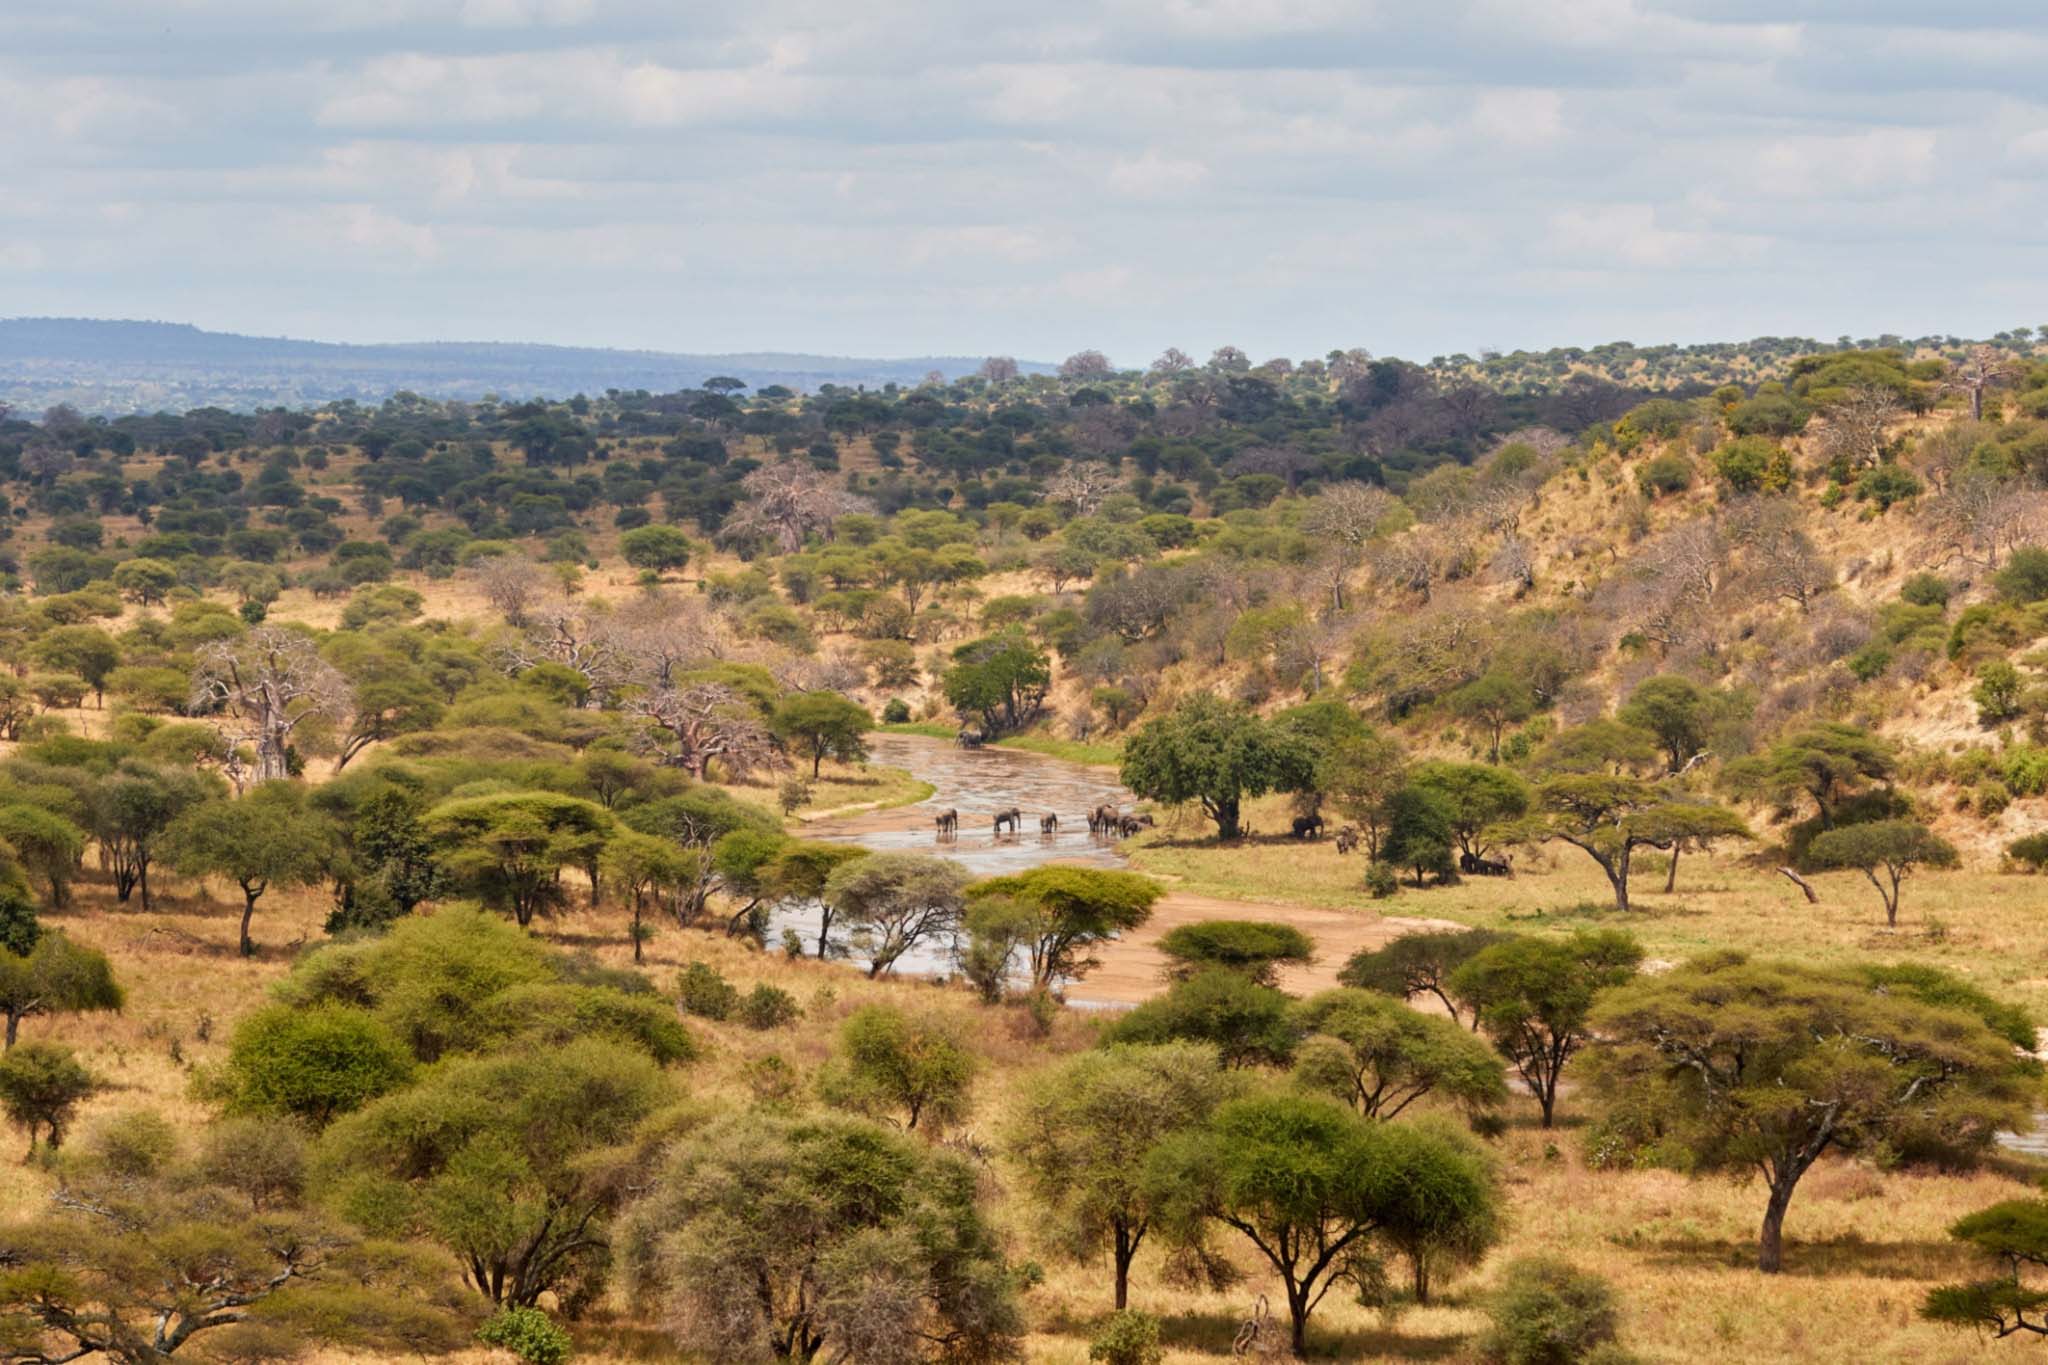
1229,360
701,721
1779,559
273,680
1408,563
1856,426
1669,592
787,502
1979,516
1173,360
1082,486
1512,563
999,369
1086,365
1983,368
1343,519
579,635
510,583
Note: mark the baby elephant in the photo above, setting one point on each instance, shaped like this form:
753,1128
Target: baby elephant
1347,838
948,822
1048,824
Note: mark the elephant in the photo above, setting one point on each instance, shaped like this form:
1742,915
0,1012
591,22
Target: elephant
1308,826
948,822
1049,824
1012,817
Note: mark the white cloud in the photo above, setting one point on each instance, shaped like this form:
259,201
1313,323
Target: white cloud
1519,118
1152,175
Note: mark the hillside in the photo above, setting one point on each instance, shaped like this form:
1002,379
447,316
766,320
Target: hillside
456,791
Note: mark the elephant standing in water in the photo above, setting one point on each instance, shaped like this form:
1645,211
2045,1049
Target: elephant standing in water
1049,824
1012,817
948,822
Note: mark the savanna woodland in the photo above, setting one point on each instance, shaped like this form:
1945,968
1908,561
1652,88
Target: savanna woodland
1578,900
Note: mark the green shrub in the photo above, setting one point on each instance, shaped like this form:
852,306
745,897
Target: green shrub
1381,880
1925,590
701,991
1752,464
1664,475
1990,798
527,1333
896,712
2031,850
1887,484
2025,575
1127,1338
313,1063
766,1007
1548,1312
1997,692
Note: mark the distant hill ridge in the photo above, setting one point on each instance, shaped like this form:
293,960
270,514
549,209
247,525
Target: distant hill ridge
129,366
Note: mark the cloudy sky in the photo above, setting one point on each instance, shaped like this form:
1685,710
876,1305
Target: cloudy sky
890,177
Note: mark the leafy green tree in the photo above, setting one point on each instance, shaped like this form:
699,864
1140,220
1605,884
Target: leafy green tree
647,871
1003,679
84,651
1608,817
41,1087
1311,1186
1998,692
823,725
55,976
1085,1129
1359,775
799,873
2012,1236
888,1062
267,838
1534,998
386,864
1379,1056
312,1064
1248,1024
657,548
1493,701
147,581
1678,711
390,696
1475,796
1256,949
1895,847
508,1161
47,845
1823,762
510,849
895,901
1218,753
1059,913
1419,833
1420,963
1766,1067
129,811
819,1237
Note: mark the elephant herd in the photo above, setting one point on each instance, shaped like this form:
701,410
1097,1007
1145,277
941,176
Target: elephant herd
1103,822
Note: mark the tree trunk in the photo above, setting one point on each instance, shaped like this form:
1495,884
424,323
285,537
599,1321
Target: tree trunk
817,757
1297,1312
1770,1250
1226,819
1617,877
1126,1251
248,913
143,880
13,1027
1812,896
1671,878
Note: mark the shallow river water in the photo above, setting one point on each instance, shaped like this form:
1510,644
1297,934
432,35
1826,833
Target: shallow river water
977,783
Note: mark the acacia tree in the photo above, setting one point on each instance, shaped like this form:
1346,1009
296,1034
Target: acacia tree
1420,963
2013,1236
1254,949
895,901
823,725
1609,816
1086,1128
512,847
1768,1066
273,681
1062,913
819,1237
55,976
1002,679
889,1062
1216,752
267,838
1894,846
1678,711
1533,998
1825,762
128,811
1379,1056
1310,1185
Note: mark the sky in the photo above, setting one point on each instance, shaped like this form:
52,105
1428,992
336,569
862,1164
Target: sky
913,177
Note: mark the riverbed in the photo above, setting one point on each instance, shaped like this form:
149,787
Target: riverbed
980,782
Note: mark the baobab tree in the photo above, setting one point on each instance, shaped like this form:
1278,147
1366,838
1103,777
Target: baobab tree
999,369
273,681
788,502
1173,360
1985,367
1082,486
1856,426
1086,365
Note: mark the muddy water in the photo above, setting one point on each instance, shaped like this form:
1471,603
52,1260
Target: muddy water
977,783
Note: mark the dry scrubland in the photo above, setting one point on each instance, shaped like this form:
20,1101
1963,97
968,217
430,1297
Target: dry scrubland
1864,1246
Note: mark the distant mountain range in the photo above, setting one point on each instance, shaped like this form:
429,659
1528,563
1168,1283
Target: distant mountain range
122,367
